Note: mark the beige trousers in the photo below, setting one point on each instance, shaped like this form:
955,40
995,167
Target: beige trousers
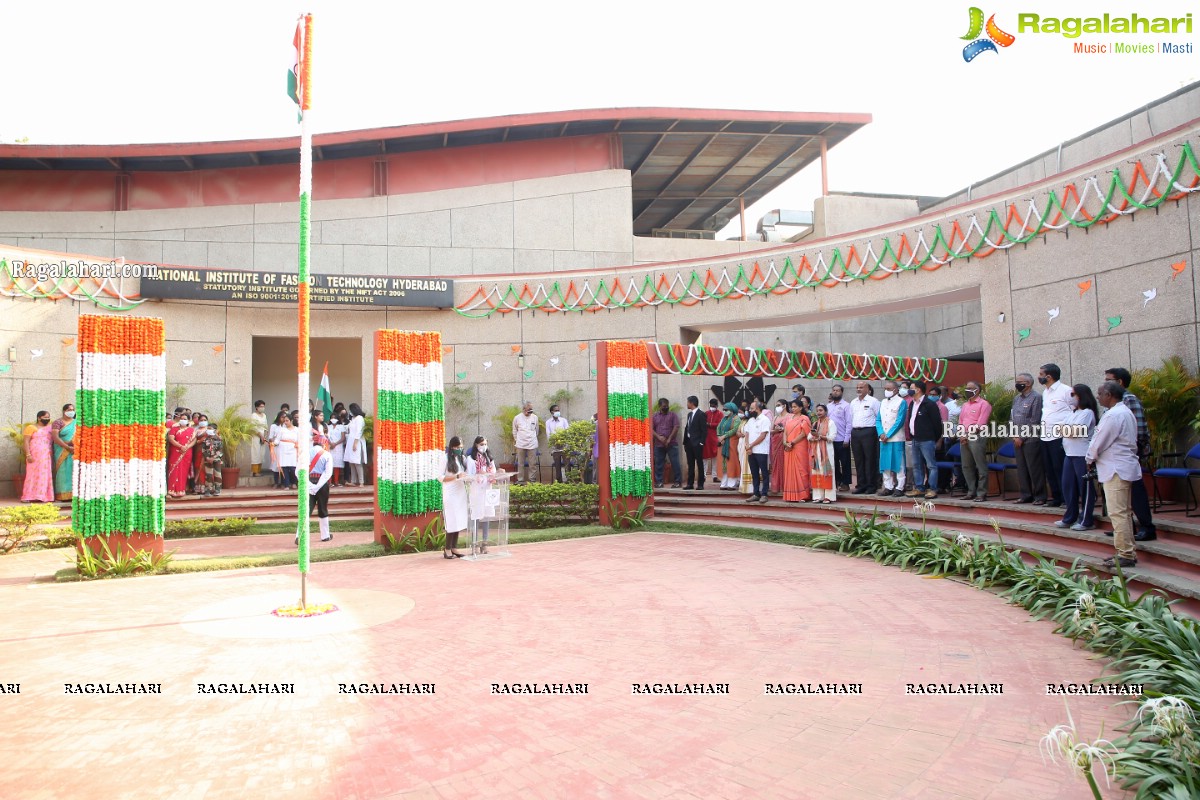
1116,495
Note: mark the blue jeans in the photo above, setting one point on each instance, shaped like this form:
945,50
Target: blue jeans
660,455
760,473
1078,489
924,456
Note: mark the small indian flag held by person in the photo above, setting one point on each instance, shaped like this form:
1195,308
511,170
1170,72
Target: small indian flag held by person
323,395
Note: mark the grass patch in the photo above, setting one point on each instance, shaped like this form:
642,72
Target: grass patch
795,538
335,526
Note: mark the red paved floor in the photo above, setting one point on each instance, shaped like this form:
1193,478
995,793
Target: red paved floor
607,611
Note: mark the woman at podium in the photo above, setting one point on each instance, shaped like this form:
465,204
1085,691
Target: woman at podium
484,465
456,471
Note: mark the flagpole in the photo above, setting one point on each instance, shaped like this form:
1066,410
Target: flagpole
304,87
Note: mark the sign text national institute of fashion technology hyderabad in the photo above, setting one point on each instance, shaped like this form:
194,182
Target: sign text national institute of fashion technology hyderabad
198,283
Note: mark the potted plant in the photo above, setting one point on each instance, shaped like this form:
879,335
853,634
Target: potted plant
508,445
1169,394
16,435
236,430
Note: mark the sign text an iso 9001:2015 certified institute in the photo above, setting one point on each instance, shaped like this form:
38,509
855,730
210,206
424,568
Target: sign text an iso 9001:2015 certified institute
197,283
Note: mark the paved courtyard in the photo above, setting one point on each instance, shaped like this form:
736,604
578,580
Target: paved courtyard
609,612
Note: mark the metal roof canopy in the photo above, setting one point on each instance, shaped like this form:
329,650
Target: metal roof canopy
689,166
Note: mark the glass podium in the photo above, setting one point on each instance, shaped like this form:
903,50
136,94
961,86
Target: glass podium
487,496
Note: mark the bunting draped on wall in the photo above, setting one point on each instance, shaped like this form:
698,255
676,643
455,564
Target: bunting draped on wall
678,359
120,483
1077,205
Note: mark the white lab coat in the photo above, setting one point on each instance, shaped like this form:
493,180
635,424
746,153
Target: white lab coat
455,508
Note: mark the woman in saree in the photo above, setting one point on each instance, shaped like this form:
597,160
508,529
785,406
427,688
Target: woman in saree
62,432
746,483
727,437
779,417
180,441
797,484
39,476
824,434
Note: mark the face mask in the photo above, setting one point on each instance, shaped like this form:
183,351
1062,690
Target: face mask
904,392
1022,387
742,414
556,414
935,397
69,415
972,392
888,393
1042,379
527,413
203,423
778,409
753,414
43,421
482,448
457,451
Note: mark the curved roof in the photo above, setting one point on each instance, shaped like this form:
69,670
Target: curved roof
689,166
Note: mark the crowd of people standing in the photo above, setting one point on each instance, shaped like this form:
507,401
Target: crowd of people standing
1063,443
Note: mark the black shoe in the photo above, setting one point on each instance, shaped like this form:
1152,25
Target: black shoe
328,538
1052,504
898,493
1124,562
1145,536
859,491
676,485
688,489
1021,500
1039,502
1108,533
843,487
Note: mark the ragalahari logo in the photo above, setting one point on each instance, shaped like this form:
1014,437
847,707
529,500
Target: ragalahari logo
994,37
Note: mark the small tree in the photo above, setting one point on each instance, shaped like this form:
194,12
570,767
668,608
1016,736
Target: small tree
576,442
462,412
504,418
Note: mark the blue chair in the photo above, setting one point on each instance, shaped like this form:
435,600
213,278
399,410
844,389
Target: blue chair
1183,472
999,468
954,454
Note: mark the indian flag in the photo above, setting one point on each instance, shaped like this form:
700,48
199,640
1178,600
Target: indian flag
296,72
323,395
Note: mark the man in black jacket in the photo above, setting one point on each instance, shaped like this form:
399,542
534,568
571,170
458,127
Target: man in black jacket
925,427
695,431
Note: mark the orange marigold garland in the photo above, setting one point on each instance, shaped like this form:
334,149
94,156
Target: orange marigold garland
119,479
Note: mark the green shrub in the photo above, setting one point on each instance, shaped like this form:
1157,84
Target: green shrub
197,528
576,442
538,505
433,537
119,564
18,523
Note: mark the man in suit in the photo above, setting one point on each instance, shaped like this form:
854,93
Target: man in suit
695,431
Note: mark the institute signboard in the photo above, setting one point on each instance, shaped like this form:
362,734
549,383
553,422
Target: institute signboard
198,283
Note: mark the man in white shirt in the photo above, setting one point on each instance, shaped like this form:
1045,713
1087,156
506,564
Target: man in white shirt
525,436
1113,452
864,439
556,423
1056,412
758,448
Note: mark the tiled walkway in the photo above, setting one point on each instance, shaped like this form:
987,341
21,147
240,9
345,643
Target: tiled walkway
608,611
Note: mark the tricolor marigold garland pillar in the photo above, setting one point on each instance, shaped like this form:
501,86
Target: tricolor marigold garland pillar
623,420
120,482
410,431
